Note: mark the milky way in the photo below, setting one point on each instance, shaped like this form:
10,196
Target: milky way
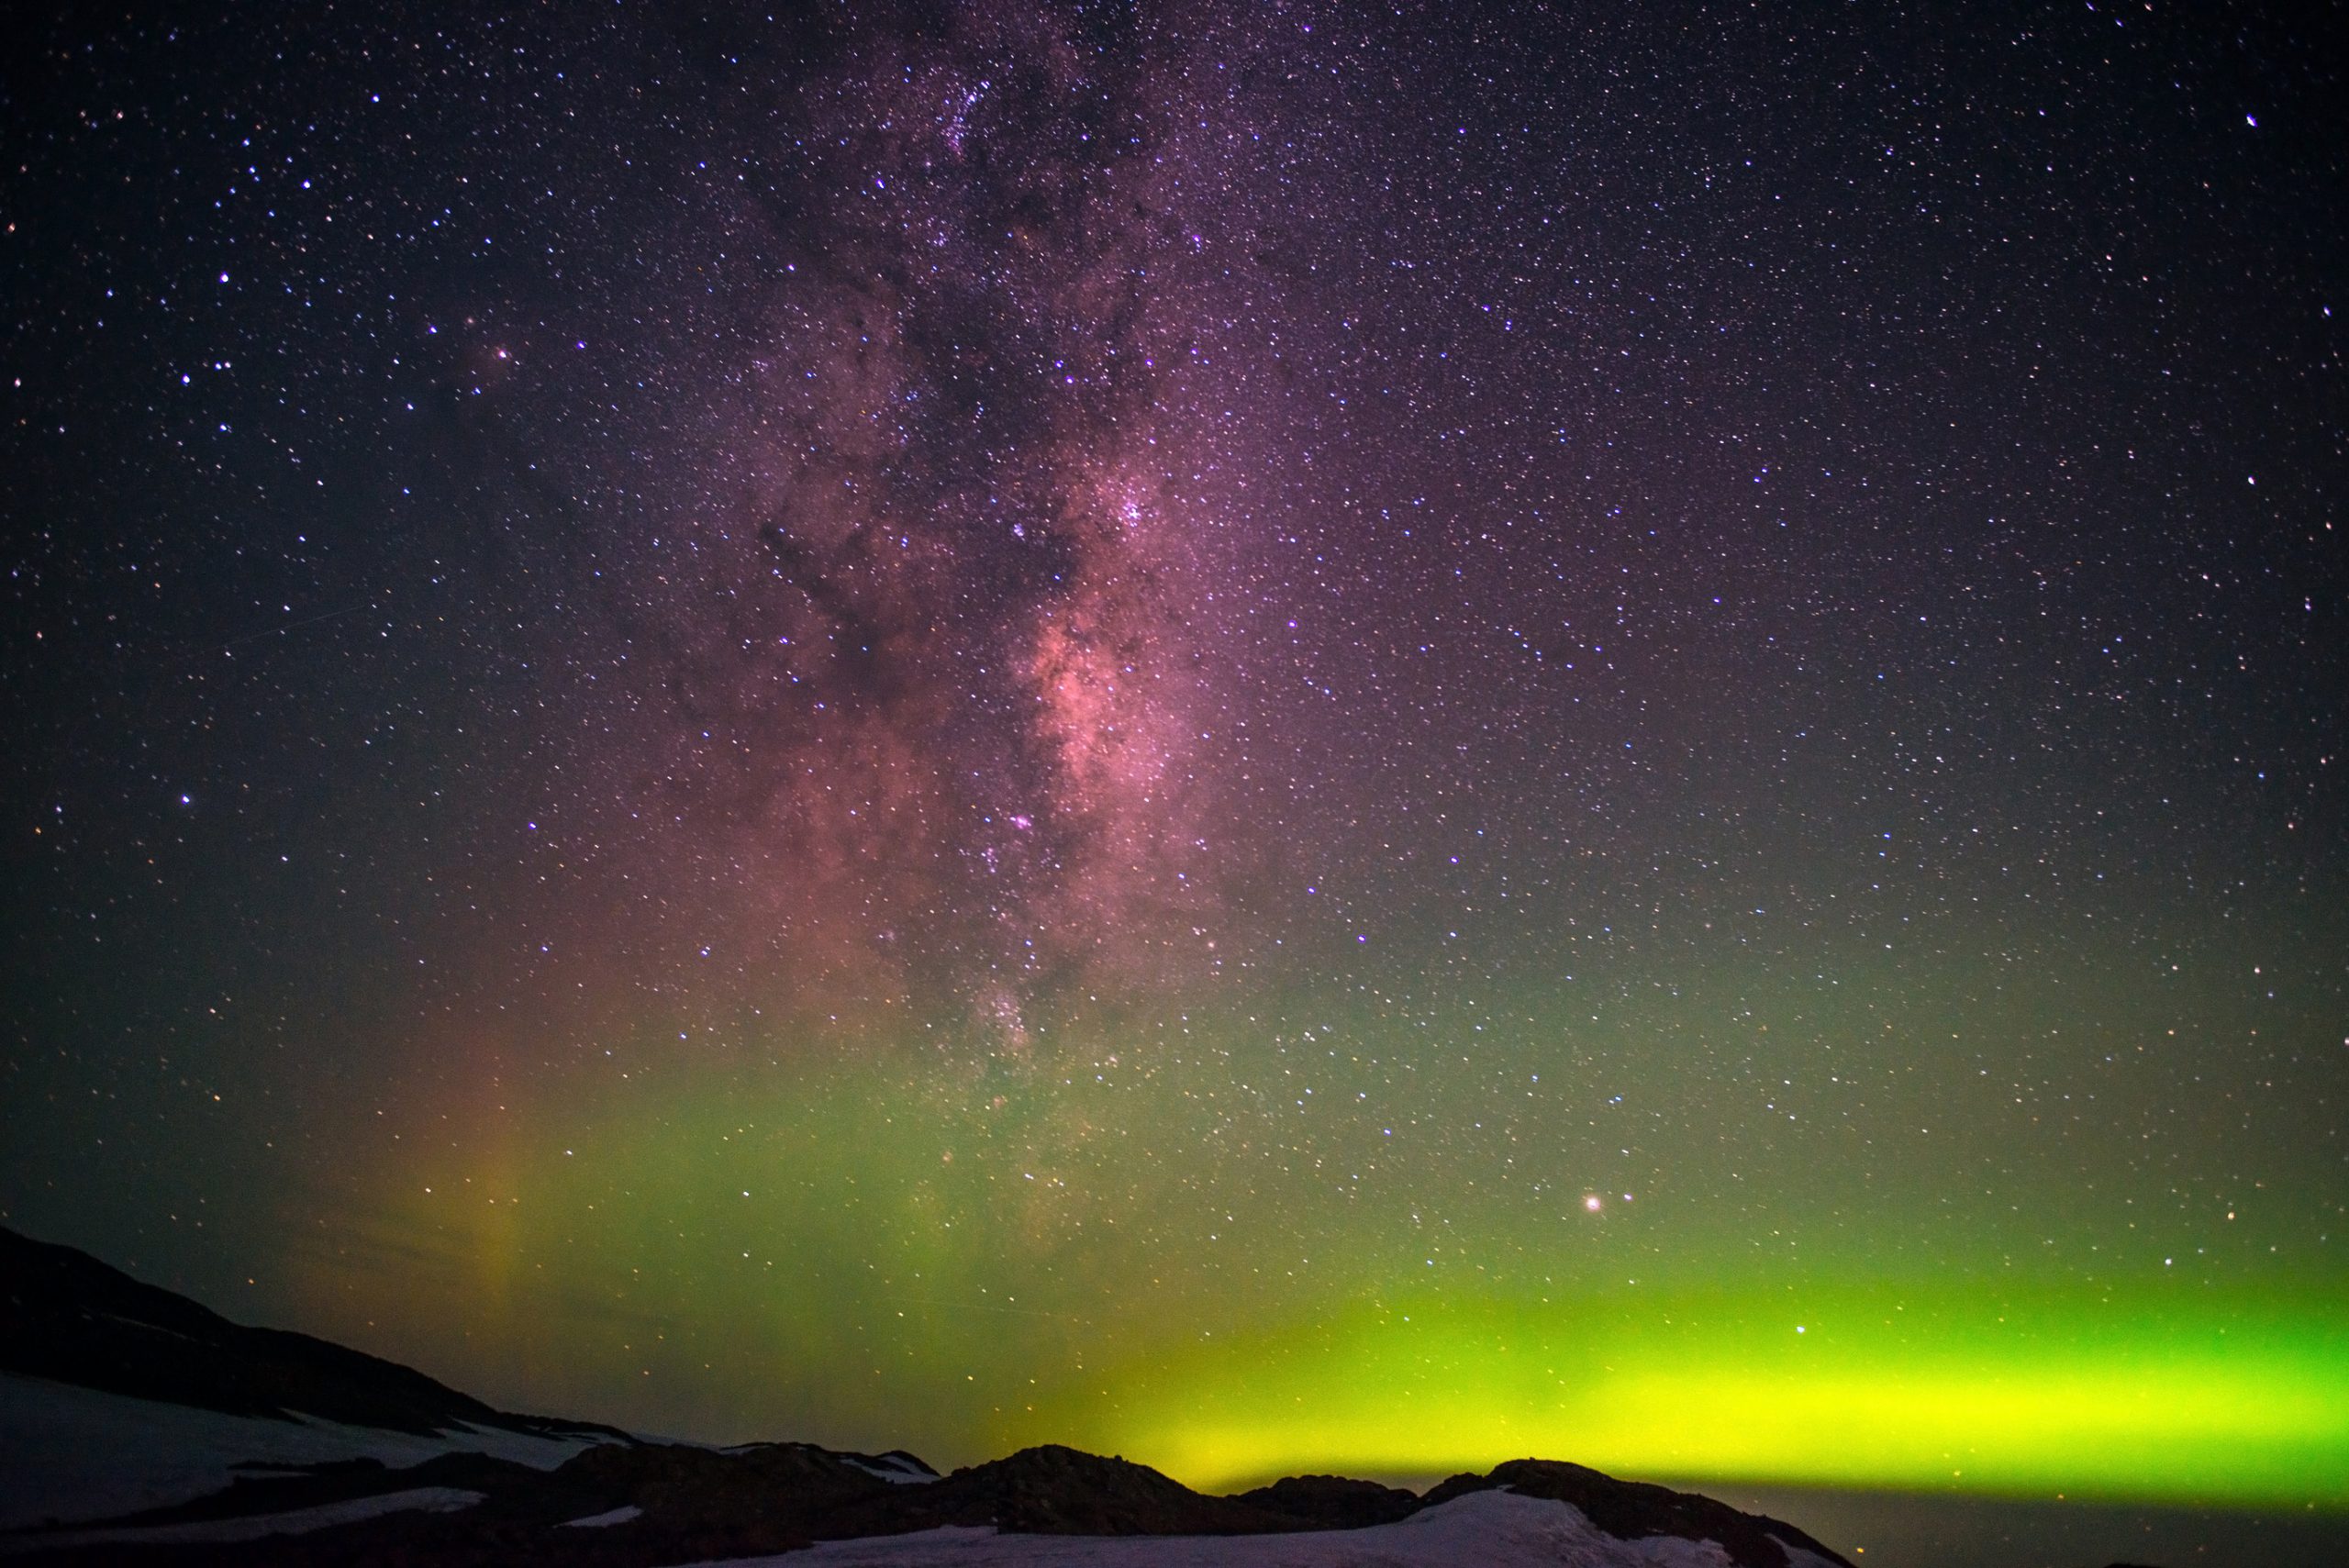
1275,738
923,692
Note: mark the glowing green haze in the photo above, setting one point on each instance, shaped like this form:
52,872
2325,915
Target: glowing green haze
1235,1246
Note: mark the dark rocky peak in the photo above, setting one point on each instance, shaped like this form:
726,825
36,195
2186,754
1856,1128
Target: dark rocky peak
1333,1502
1053,1490
759,1481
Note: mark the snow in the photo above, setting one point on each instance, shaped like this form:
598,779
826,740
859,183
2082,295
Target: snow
75,1453
618,1516
1494,1529
253,1527
895,1471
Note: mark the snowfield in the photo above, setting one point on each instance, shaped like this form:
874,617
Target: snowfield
1488,1529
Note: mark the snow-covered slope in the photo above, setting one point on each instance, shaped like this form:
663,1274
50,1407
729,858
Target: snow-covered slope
70,1454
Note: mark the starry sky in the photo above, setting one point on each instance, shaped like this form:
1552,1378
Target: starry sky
1277,736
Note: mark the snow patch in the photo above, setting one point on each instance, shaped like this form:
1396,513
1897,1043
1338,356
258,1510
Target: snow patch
618,1516
895,1471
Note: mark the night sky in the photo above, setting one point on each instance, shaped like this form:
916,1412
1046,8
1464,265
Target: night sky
1286,736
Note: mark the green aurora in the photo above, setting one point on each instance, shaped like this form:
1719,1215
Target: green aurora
1239,1245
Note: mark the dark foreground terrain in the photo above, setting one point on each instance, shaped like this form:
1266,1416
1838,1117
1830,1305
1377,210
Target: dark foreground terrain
695,1505
595,1496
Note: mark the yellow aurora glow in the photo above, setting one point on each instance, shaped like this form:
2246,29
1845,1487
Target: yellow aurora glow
1952,1398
